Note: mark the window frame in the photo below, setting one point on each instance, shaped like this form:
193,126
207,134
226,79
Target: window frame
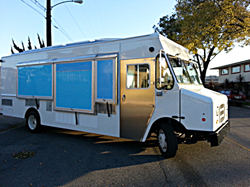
139,65
38,96
245,68
235,67
114,79
170,70
68,109
225,73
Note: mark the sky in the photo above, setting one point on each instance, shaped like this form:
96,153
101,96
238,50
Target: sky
94,19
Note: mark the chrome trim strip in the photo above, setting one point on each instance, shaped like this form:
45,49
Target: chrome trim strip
34,97
8,95
112,55
57,60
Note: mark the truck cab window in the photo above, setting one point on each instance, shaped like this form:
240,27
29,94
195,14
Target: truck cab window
164,78
186,72
192,70
138,76
180,70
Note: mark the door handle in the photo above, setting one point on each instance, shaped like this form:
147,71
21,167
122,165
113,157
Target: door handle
123,97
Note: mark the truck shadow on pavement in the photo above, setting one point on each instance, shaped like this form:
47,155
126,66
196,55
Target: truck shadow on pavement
72,158
65,155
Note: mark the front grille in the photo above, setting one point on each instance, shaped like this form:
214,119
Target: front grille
222,112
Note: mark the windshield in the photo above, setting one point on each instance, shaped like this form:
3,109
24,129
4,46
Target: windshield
192,70
186,72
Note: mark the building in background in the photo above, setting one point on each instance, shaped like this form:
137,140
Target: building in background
212,82
235,75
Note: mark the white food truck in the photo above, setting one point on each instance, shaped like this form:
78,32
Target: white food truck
127,88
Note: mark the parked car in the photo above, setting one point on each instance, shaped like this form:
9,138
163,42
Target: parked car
234,96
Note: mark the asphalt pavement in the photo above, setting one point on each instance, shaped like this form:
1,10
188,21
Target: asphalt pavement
7,123
58,157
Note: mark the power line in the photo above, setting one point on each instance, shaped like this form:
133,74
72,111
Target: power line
100,17
38,5
33,8
92,31
76,22
60,29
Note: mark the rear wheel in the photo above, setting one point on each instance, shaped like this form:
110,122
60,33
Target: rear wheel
167,140
33,121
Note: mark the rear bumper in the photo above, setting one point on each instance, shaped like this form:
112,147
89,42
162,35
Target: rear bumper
217,137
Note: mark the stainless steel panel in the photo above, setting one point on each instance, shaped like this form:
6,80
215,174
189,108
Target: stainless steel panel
137,105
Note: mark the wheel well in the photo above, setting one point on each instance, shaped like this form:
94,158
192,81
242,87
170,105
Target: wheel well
178,127
31,110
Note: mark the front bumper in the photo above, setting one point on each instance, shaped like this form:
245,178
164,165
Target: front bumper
217,137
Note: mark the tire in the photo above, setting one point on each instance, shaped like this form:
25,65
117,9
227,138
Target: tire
167,140
33,122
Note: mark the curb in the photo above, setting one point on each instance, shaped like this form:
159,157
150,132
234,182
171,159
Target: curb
246,106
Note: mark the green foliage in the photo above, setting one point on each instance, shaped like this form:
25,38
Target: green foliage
240,78
29,44
20,50
42,45
12,52
169,26
23,46
16,47
207,27
226,83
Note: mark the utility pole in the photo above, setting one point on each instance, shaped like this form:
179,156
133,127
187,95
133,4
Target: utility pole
48,18
48,22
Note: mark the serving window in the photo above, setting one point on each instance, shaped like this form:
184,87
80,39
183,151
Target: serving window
35,81
105,80
74,86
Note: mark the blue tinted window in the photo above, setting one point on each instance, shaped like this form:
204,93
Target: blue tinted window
74,85
105,79
35,81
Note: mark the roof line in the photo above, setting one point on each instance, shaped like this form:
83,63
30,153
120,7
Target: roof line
233,64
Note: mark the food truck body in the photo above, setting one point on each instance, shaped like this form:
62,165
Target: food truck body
127,88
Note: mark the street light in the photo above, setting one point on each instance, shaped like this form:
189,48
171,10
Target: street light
48,18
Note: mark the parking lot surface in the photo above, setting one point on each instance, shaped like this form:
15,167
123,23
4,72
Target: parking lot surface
57,157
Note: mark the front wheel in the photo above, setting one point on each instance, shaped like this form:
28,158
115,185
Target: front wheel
33,121
167,140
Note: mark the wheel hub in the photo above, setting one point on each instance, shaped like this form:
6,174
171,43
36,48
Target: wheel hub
32,122
162,140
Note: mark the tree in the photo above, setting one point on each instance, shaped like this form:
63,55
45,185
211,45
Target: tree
240,80
20,50
226,83
16,47
41,42
207,27
29,44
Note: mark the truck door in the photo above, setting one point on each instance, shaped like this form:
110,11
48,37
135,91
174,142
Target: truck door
137,96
